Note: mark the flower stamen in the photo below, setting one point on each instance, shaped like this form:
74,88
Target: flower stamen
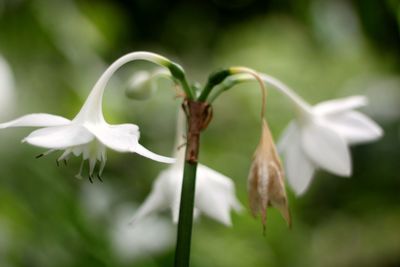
79,175
102,163
90,178
99,177
45,153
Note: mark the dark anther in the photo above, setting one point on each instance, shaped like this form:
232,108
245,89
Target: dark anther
39,156
58,163
90,179
99,177
65,162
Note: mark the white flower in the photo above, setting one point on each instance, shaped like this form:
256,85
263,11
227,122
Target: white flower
320,138
7,95
215,193
150,237
88,134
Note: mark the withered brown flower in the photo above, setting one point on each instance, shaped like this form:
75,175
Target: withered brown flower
266,179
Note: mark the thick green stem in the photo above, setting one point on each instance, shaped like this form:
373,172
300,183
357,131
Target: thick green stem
198,115
182,252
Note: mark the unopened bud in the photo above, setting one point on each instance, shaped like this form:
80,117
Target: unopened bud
7,94
141,86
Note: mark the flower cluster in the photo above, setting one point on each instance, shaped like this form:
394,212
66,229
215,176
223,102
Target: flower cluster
319,138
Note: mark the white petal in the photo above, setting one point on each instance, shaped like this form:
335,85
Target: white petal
299,169
215,195
340,105
124,138
289,134
153,203
121,138
326,148
92,108
356,127
36,120
173,188
60,137
141,150
161,195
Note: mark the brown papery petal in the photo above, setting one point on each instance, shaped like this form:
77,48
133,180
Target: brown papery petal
266,182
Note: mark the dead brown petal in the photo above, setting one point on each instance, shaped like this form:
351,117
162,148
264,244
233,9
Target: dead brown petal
266,186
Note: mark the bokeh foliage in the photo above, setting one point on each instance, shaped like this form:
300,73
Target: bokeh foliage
323,49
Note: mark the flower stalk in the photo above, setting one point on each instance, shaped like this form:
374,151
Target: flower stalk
199,115
185,223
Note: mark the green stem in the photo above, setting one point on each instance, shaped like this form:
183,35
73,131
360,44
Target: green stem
182,252
285,90
227,84
198,115
178,73
214,79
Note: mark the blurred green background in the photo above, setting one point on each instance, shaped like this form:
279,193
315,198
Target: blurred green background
322,48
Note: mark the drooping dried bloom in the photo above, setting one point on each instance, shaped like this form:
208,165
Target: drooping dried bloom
266,179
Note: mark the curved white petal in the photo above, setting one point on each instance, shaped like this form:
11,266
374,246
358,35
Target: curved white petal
36,120
356,127
59,137
287,137
124,138
215,195
340,105
171,185
121,138
163,193
153,203
326,148
141,150
299,169
92,108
